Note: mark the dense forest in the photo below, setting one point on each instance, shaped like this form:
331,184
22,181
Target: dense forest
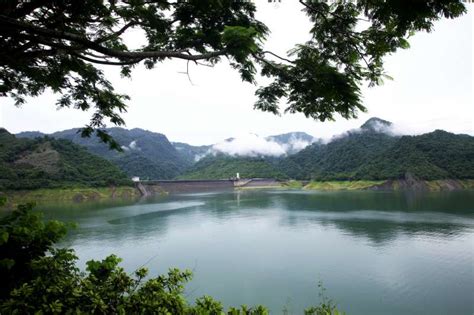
145,154
222,166
47,163
377,156
371,152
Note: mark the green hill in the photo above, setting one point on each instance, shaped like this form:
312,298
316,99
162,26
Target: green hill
223,166
47,163
145,154
435,155
340,159
373,153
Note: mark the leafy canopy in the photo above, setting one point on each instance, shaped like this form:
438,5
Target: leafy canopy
58,44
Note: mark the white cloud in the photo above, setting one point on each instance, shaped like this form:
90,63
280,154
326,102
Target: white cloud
295,144
198,157
133,145
249,145
378,126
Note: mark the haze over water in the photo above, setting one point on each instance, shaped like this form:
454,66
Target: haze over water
375,252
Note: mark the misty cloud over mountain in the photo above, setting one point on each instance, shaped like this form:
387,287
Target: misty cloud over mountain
253,145
248,145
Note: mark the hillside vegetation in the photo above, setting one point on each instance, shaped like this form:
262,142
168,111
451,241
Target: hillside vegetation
144,153
434,155
371,152
224,166
51,163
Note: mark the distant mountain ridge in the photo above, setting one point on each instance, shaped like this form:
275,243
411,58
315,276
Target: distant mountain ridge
371,152
151,155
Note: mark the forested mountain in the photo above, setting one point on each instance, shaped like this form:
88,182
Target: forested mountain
434,155
150,155
340,158
146,154
373,152
222,166
369,152
47,162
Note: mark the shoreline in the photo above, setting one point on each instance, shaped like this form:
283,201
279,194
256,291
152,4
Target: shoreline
73,194
374,185
86,194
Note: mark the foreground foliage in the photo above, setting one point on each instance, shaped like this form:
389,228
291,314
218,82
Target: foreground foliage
59,45
37,277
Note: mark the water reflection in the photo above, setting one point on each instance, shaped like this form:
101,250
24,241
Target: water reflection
376,252
379,217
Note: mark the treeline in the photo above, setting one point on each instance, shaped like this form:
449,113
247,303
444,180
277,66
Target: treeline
372,155
222,166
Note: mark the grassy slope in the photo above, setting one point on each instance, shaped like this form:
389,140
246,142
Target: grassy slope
70,194
433,185
341,185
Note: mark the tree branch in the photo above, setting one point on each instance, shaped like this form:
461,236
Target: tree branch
351,33
117,33
106,62
104,50
275,55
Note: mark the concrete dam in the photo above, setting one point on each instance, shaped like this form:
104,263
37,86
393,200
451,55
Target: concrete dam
151,187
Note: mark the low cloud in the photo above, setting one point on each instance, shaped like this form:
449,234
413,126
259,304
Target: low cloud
295,144
376,126
198,157
249,145
132,146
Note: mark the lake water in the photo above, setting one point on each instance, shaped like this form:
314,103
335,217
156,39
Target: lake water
374,252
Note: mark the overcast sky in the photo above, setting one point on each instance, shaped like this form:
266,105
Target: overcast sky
432,89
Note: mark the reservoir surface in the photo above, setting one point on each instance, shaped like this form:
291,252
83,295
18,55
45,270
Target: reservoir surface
373,252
